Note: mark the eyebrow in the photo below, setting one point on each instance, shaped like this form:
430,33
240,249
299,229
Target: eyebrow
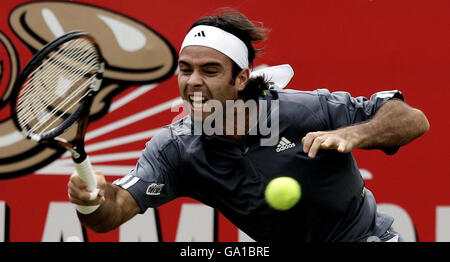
202,65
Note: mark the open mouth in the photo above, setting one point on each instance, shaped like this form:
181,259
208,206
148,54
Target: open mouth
197,101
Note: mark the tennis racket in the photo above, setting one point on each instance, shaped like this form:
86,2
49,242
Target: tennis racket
54,91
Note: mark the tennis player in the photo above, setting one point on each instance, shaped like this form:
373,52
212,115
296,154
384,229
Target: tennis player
315,134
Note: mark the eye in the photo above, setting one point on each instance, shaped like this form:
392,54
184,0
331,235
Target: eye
185,70
210,71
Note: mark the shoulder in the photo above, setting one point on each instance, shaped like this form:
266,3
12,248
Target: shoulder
301,110
170,135
296,103
305,98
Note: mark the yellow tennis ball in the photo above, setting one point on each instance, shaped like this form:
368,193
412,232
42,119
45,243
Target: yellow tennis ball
283,193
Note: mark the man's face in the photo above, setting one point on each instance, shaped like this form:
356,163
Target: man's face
207,73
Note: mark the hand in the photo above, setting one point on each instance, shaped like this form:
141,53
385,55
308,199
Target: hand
341,140
78,193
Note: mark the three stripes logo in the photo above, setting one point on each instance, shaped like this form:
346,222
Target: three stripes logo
200,34
284,144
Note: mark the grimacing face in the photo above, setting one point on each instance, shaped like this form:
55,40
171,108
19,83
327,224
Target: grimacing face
207,73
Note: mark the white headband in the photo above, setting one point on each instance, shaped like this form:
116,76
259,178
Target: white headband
220,40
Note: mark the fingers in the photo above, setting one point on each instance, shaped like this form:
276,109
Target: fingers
308,140
342,147
314,141
78,194
82,197
316,144
333,142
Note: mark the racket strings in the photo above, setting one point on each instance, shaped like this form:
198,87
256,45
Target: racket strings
74,47
57,86
43,78
44,115
42,98
49,126
50,104
45,74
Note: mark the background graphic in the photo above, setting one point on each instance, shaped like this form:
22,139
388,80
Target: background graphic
359,46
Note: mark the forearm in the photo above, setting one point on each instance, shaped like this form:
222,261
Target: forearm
394,124
108,216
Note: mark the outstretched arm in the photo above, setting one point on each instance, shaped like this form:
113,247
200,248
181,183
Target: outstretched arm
394,124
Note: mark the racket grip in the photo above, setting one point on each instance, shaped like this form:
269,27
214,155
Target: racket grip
86,173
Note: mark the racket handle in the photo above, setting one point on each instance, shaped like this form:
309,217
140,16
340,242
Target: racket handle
86,173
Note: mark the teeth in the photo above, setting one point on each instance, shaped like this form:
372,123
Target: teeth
197,98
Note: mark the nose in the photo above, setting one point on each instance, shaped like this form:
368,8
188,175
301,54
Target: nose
195,79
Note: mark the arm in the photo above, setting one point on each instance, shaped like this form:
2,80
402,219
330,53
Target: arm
159,165
116,204
394,124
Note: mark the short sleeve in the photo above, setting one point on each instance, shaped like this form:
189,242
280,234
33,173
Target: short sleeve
156,178
341,109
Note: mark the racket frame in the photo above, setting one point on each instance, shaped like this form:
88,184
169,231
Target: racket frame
81,114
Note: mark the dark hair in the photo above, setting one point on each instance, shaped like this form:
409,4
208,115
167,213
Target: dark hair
239,25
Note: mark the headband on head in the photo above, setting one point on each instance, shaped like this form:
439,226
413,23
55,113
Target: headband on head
220,40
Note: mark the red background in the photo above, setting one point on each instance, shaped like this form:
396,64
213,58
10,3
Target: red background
359,46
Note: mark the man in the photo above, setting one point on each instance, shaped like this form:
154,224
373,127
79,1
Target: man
229,170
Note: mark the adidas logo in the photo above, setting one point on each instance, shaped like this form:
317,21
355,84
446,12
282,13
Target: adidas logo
201,33
284,144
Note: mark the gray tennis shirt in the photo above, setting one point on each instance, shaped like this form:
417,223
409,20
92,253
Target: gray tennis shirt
232,176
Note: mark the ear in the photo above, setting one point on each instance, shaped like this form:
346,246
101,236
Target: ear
242,79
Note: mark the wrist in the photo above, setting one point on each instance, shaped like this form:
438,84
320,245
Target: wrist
358,135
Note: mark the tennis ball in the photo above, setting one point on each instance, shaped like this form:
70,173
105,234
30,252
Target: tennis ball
283,193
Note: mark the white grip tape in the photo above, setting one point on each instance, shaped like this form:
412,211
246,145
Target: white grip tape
86,173
86,210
